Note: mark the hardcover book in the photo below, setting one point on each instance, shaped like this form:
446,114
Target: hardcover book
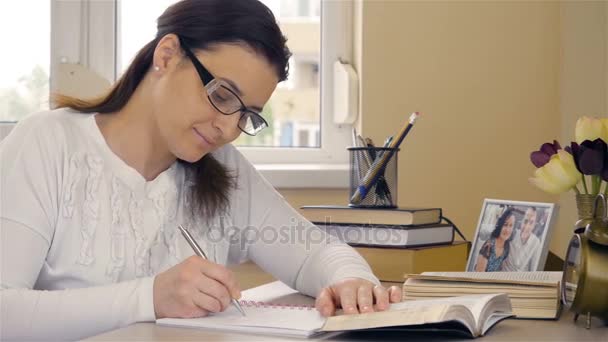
344,214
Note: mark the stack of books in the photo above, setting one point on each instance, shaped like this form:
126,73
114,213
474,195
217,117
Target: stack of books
532,294
394,242
401,227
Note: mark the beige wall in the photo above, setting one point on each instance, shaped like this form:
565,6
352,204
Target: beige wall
583,83
486,76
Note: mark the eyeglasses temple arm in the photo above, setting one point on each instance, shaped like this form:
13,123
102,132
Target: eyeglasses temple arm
206,77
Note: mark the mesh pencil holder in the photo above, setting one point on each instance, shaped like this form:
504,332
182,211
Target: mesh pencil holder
373,177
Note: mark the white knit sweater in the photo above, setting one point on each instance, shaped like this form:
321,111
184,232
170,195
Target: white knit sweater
82,234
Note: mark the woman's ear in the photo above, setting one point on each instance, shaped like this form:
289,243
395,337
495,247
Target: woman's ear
167,54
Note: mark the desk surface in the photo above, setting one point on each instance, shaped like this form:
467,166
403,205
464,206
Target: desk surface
249,276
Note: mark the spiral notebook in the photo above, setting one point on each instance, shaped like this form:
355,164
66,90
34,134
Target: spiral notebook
272,309
276,309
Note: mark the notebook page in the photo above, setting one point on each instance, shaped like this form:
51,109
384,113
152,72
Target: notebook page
291,321
280,321
279,293
544,278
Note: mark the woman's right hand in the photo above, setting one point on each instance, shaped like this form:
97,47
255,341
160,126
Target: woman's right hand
194,288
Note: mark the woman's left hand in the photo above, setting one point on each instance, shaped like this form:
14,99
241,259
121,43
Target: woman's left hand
356,295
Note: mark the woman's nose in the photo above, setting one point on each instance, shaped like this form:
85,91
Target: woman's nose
227,124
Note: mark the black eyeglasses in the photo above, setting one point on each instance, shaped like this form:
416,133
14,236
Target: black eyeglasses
225,100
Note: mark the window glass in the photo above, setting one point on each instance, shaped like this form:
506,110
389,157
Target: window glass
24,71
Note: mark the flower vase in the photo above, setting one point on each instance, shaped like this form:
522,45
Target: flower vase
584,207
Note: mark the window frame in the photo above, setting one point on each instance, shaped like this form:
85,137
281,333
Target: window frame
301,167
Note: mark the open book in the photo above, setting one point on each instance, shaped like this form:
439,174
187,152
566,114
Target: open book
276,309
532,294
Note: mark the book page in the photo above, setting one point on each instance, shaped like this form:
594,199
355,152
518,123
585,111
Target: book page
397,315
487,309
417,287
424,311
277,292
475,303
532,278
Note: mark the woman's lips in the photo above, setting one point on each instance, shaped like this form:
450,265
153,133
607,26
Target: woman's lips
205,140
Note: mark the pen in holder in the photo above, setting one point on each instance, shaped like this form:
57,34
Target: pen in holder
383,193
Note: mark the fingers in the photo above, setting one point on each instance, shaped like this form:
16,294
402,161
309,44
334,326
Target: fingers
348,299
193,288
204,304
356,295
381,295
365,299
222,275
325,303
216,291
395,294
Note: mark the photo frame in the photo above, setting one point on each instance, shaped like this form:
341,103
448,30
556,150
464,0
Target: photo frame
511,236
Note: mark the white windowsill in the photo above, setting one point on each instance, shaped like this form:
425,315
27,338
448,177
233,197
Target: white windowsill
305,175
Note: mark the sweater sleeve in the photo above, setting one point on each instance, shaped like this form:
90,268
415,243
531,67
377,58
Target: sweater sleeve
284,243
31,161
72,314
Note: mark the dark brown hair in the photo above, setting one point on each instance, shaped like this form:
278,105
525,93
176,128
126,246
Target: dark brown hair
200,24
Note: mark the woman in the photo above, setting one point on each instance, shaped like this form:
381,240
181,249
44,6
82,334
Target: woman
496,249
92,193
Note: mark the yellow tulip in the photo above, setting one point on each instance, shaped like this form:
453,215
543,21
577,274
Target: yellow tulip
588,128
558,175
605,124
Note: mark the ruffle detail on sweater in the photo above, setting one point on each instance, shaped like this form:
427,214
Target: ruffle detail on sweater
118,232
70,191
90,209
142,254
170,232
165,198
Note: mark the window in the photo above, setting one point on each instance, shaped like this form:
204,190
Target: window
24,71
302,136
294,103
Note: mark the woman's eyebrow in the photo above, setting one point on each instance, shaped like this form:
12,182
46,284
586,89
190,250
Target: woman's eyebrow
233,85
238,91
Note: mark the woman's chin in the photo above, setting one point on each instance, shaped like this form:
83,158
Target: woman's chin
192,156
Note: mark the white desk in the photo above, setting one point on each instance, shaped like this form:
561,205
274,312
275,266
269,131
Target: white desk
249,275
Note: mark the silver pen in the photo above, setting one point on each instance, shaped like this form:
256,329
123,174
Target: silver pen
199,251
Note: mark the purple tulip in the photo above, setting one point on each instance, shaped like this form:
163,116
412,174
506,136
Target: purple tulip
574,149
541,157
590,157
604,174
